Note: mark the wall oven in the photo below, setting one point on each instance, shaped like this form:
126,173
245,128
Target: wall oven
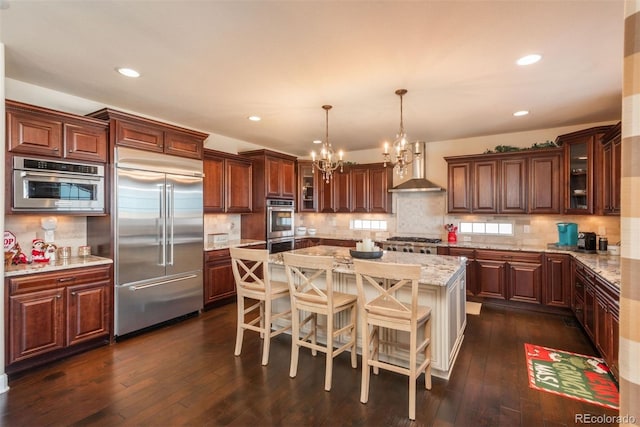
50,185
280,218
281,245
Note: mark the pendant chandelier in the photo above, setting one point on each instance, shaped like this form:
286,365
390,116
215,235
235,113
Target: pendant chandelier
327,163
402,151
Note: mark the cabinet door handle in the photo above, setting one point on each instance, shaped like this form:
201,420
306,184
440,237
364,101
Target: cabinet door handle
58,296
55,149
74,293
70,151
66,279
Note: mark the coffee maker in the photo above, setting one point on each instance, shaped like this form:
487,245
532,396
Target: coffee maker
587,242
567,234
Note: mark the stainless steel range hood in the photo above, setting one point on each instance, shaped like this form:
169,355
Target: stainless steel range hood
418,182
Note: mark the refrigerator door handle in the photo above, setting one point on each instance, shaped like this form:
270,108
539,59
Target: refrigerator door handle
163,225
164,282
170,217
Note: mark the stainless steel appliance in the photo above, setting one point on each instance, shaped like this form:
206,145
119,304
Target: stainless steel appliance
58,186
280,218
158,238
587,241
422,245
280,245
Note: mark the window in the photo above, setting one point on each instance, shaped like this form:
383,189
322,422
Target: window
368,224
490,228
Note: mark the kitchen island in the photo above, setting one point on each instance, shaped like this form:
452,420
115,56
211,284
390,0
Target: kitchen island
442,287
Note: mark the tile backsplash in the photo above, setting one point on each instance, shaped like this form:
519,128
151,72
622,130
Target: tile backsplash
222,223
70,230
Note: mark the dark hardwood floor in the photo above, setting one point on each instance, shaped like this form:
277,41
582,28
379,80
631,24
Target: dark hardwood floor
186,374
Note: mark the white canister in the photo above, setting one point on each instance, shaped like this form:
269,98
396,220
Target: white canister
614,250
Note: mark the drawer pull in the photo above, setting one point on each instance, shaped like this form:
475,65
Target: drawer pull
66,279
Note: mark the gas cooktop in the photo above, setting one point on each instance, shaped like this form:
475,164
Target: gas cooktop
413,239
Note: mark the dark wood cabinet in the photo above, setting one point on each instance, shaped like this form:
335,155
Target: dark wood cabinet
306,243
219,283
505,183
380,181
218,280
581,187
280,177
359,188
227,185
88,311
33,130
507,275
128,130
610,178
485,186
513,186
557,290
596,306
545,191
471,266
459,186
51,312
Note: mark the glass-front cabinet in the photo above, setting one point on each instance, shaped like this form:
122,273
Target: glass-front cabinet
307,187
580,165
580,192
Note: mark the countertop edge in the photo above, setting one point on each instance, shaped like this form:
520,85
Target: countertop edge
73,262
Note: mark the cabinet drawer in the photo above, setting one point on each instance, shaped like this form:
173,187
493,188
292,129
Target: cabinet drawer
217,255
469,253
42,281
509,256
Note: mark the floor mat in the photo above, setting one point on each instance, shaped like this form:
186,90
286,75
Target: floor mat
576,376
473,307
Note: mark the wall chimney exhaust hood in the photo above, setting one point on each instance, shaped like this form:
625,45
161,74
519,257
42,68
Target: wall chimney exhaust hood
418,182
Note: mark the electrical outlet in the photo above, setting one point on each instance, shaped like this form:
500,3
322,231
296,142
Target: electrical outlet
466,238
527,229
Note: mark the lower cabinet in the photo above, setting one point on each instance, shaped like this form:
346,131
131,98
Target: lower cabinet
509,275
556,291
595,303
55,311
219,283
306,243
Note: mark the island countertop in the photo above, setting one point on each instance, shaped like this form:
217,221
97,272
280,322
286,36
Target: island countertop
437,270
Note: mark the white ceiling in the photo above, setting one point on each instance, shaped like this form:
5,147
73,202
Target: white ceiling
208,65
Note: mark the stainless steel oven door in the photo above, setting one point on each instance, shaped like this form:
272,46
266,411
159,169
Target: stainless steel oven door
43,191
279,222
280,245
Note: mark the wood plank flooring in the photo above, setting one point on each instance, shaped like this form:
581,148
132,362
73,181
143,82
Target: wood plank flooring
186,374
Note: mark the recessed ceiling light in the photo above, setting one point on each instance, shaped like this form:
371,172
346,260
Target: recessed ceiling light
254,118
317,141
521,113
529,59
129,72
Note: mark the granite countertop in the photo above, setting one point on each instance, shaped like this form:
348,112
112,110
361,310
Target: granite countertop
41,267
436,269
606,266
234,244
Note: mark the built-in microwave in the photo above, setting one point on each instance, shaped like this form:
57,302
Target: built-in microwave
60,186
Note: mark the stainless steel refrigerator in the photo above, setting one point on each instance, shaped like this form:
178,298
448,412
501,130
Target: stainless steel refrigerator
158,238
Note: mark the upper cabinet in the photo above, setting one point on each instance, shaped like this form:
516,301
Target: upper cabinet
274,174
505,183
359,188
307,187
227,186
581,186
145,134
611,168
39,131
